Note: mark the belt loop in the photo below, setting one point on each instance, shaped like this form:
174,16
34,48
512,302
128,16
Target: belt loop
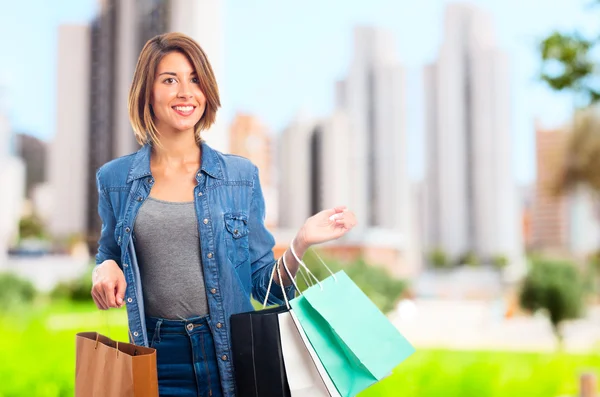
157,330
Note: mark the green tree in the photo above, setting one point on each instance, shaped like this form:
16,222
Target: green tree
569,63
556,288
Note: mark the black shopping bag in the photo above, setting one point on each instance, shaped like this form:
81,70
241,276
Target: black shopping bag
257,354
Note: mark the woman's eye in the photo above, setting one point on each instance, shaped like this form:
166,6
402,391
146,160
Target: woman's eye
169,80
195,80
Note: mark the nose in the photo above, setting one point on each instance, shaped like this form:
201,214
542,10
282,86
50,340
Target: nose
185,90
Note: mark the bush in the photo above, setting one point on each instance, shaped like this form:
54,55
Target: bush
557,288
32,227
78,290
469,259
438,259
499,261
15,291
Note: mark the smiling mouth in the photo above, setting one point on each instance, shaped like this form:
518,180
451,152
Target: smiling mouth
184,110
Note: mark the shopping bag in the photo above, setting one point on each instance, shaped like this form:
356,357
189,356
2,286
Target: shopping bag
257,354
273,358
106,368
355,342
306,375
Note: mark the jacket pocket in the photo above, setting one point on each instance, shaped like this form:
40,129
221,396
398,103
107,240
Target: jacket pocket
236,238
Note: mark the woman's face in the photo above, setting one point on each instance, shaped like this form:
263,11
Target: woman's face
177,101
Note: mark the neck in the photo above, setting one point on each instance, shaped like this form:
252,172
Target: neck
177,149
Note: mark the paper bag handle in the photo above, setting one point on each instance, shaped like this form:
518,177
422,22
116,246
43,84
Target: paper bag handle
306,267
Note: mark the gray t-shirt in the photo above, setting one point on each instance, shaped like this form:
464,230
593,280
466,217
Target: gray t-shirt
168,248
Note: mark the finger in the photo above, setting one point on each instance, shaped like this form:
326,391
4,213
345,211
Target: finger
340,208
98,299
109,294
336,217
346,223
120,292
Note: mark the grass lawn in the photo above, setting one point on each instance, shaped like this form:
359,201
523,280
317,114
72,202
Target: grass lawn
37,359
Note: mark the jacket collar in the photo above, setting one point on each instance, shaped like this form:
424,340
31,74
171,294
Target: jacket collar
209,163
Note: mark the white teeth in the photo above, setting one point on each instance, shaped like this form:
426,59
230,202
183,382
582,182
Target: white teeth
184,108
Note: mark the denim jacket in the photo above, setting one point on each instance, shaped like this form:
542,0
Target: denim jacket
235,246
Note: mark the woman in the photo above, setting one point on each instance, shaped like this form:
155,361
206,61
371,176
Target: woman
183,243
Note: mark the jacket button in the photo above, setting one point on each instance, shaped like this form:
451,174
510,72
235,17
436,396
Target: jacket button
125,265
205,221
200,194
190,326
139,198
219,325
209,255
224,357
129,300
127,229
135,334
213,291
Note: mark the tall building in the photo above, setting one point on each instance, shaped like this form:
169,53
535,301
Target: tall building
118,35
12,179
550,217
372,97
357,157
313,168
33,151
249,138
68,157
471,193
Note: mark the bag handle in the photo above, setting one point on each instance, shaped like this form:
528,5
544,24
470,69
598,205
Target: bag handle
277,268
306,267
98,341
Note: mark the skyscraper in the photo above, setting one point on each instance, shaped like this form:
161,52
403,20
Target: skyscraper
372,97
314,162
12,179
33,151
472,201
68,155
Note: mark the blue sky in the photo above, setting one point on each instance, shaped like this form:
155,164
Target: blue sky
281,57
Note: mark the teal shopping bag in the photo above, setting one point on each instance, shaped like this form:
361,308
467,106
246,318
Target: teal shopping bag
356,343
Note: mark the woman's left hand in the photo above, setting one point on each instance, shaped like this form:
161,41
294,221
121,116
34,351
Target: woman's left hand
325,226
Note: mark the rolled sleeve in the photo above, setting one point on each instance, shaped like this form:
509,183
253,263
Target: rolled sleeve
107,246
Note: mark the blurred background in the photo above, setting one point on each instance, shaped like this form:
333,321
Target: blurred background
464,135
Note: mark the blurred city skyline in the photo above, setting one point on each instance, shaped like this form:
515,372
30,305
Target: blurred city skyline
275,67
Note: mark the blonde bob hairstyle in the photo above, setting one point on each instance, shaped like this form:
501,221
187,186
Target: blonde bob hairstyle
141,115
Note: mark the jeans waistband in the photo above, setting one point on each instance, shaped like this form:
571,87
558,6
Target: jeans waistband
176,325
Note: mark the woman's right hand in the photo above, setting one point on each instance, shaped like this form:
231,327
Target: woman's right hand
108,289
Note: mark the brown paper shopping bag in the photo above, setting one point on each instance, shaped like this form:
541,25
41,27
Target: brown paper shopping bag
106,368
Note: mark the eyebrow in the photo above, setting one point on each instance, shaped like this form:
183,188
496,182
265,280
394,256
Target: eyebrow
173,73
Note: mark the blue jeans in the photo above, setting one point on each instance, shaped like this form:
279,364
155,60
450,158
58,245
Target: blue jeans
186,358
